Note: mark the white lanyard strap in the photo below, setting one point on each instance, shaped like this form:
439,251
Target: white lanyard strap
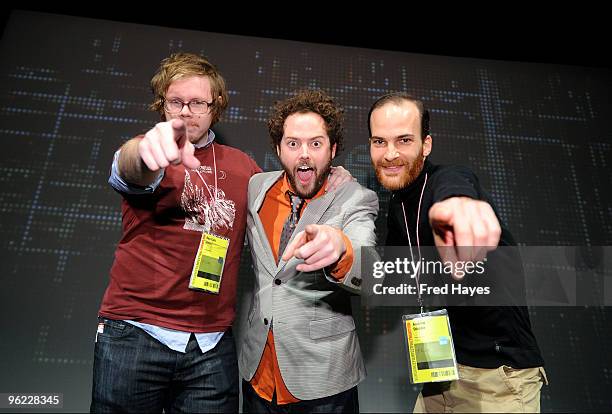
416,277
215,197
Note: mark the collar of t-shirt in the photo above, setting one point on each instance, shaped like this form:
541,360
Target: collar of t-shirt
205,141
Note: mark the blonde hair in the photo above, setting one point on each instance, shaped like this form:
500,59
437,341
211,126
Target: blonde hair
181,65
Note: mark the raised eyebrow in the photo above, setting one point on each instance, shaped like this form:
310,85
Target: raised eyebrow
309,139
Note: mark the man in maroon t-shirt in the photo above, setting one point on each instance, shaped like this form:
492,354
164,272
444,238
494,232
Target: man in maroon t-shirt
162,345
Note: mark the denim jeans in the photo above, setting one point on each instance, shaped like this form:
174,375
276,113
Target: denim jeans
133,372
343,402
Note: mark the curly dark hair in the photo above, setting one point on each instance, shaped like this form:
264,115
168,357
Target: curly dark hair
303,101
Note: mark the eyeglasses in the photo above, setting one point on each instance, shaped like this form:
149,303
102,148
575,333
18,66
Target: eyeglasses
175,106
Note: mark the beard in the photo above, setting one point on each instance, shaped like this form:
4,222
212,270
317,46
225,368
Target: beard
315,184
403,179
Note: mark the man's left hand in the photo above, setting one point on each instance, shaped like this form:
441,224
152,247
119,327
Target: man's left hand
319,245
338,176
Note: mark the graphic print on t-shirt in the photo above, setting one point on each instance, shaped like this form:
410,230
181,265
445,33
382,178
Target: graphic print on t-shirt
201,212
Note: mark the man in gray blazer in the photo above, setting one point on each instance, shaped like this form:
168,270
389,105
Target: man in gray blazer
300,350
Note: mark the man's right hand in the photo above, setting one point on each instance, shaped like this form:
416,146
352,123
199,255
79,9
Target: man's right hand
166,144
464,229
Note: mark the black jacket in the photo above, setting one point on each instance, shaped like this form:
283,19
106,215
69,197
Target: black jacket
484,337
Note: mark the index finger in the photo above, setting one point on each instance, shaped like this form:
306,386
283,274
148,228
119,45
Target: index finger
296,243
178,128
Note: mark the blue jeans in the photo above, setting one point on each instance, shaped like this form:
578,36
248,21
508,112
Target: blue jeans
343,402
133,372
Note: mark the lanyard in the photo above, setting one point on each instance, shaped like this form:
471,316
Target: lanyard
215,197
416,277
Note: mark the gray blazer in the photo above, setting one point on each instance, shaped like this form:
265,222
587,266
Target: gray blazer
314,332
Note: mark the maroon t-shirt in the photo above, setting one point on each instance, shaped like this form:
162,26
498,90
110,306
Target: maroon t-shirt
161,233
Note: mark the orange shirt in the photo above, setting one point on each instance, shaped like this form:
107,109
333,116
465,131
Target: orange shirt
273,214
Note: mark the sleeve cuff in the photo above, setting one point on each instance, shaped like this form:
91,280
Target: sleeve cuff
343,266
123,186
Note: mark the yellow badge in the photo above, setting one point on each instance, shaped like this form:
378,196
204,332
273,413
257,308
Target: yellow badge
209,263
430,346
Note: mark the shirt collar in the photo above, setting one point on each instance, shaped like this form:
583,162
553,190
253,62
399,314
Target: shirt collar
205,141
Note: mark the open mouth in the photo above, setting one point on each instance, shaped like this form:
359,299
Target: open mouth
304,174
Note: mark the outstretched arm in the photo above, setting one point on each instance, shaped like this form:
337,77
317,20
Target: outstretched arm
142,158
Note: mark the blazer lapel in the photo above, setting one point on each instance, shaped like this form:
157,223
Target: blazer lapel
260,233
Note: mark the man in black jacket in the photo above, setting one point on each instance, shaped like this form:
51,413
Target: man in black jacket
499,362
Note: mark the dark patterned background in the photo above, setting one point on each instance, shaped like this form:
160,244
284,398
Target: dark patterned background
73,89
